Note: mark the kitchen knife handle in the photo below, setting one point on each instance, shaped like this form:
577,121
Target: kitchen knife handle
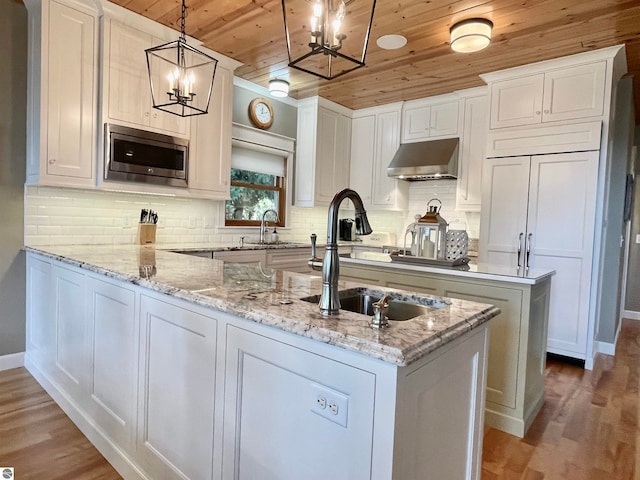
519,251
528,252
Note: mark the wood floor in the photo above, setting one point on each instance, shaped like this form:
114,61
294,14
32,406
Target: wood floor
587,430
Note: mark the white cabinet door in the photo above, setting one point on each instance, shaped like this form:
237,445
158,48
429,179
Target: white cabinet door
176,391
387,141
41,327
503,218
474,134
71,96
575,92
113,339
70,367
363,133
271,389
444,119
415,123
210,146
561,222
332,161
128,94
517,102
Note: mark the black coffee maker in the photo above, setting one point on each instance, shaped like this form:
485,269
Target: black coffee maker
345,229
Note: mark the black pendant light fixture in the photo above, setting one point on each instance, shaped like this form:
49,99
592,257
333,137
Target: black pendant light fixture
327,38
181,77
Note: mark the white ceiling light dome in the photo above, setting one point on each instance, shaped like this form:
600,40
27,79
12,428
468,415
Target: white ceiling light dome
470,35
278,87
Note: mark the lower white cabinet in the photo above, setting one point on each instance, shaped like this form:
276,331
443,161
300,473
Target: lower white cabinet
177,382
275,389
167,389
113,363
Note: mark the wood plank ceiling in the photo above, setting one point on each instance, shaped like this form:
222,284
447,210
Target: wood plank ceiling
525,31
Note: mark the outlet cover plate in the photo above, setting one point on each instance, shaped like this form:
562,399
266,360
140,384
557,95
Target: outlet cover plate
336,404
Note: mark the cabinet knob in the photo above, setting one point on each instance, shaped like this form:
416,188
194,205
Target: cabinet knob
546,111
52,161
146,114
537,112
155,115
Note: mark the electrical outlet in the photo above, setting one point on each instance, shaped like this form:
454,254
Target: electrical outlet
638,238
209,222
329,404
126,221
192,222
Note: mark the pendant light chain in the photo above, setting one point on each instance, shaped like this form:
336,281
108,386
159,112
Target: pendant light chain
183,16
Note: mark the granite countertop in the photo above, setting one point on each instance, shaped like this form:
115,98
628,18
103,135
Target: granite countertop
474,270
272,297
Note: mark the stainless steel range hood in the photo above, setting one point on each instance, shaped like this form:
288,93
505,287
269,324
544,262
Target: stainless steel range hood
434,159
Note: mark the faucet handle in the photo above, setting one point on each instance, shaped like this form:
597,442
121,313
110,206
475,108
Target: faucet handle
380,309
314,262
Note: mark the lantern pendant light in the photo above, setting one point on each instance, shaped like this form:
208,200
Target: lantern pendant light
181,77
331,38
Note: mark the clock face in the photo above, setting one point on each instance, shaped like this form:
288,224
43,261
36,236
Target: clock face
261,113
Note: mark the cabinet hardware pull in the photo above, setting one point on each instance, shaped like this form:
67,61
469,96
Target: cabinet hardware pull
537,112
52,161
519,251
528,252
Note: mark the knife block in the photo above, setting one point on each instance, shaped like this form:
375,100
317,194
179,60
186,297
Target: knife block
146,233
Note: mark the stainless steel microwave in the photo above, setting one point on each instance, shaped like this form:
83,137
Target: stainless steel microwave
134,155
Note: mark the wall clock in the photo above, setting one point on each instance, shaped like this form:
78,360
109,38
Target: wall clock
261,113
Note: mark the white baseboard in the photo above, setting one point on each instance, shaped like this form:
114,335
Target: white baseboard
13,360
631,314
605,347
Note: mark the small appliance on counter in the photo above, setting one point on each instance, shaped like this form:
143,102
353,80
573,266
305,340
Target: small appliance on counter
431,243
345,230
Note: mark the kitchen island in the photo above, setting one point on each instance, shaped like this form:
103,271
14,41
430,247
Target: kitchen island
517,352
184,367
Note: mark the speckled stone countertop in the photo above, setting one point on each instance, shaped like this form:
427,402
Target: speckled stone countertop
272,297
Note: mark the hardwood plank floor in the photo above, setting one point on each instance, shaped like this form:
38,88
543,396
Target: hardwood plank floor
587,429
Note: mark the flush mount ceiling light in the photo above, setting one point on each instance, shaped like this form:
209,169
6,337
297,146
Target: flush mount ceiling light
330,38
470,35
391,42
278,87
181,76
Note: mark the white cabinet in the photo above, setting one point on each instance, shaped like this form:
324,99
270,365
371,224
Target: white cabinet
540,212
563,94
472,145
274,396
210,146
113,346
434,117
177,384
41,329
374,141
70,365
322,152
62,86
126,90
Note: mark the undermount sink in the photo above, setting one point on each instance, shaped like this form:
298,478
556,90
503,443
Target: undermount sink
361,300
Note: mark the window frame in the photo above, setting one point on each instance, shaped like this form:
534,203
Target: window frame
280,187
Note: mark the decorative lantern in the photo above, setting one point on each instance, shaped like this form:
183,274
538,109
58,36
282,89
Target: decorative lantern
431,235
181,76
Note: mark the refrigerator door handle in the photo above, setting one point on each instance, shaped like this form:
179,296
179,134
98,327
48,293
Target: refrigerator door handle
528,252
519,252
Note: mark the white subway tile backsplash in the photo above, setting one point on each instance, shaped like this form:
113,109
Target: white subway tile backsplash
62,216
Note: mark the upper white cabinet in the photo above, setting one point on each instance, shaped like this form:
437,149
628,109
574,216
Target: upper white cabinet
62,99
563,94
427,118
210,145
374,141
472,146
126,91
322,152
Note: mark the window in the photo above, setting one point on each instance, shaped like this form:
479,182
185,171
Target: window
257,184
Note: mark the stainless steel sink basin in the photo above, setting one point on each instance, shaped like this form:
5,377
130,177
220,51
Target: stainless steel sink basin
361,300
